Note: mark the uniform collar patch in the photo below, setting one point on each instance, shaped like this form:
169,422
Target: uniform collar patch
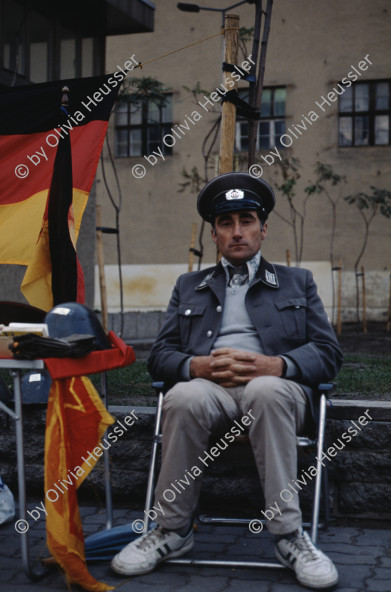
267,274
270,278
205,281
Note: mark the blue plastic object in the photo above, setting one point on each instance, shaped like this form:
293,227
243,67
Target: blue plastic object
103,545
73,318
36,386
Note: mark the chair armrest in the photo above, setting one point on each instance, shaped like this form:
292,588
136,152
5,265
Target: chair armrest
326,387
158,386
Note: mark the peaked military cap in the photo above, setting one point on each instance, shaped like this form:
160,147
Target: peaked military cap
231,192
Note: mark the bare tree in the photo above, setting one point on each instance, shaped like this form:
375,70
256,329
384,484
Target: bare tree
326,179
379,201
289,168
325,183
193,180
138,92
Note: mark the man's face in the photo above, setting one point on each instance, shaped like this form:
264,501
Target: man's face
238,235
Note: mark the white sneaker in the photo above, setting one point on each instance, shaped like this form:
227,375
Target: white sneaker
312,567
142,555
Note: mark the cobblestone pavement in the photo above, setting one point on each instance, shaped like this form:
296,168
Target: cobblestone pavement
362,556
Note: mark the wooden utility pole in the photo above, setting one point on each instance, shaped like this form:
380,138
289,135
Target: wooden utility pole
228,116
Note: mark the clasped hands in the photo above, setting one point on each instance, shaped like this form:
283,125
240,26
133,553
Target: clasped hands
232,367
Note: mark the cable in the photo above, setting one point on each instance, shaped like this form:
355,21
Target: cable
142,64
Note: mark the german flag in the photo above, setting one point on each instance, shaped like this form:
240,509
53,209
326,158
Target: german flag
76,419
49,155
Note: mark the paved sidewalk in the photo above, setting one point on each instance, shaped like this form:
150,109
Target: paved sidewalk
362,556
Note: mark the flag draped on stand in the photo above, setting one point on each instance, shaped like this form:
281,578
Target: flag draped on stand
76,420
54,263
48,161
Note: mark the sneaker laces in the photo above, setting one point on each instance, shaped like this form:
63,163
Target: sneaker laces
149,539
304,543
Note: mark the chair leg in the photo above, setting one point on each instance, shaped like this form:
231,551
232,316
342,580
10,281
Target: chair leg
325,497
319,467
152,465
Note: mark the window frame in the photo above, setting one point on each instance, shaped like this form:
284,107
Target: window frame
371,113
271,119
145,126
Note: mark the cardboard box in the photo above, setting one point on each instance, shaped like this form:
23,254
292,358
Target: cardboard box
4,351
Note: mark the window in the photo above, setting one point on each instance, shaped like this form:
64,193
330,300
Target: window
272,123
140,126
68,64
35,47
87,56
14,37
39,47
364,114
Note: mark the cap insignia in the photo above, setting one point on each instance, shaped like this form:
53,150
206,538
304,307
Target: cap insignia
234,194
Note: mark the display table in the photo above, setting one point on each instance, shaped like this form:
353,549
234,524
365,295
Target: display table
120,355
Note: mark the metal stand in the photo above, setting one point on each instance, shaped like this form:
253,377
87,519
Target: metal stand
15,366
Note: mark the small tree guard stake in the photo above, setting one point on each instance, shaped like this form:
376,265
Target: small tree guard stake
339,308
101,267
389,307
364,301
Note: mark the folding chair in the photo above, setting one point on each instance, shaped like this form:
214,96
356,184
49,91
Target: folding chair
320,488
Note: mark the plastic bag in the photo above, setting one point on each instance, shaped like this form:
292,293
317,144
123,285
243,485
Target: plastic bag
7,503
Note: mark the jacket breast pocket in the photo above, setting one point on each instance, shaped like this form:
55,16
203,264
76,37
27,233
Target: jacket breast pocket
293,315
190,317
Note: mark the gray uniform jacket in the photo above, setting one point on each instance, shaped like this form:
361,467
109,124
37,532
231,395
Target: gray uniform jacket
284,307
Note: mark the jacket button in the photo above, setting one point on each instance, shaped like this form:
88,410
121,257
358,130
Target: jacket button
187,312
219,309
209,334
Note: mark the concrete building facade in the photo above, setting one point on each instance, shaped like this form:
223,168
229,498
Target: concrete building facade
327,100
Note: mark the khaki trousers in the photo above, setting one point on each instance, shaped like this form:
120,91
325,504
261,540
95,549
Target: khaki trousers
275,409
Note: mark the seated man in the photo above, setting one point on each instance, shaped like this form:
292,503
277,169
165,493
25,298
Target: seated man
243,337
